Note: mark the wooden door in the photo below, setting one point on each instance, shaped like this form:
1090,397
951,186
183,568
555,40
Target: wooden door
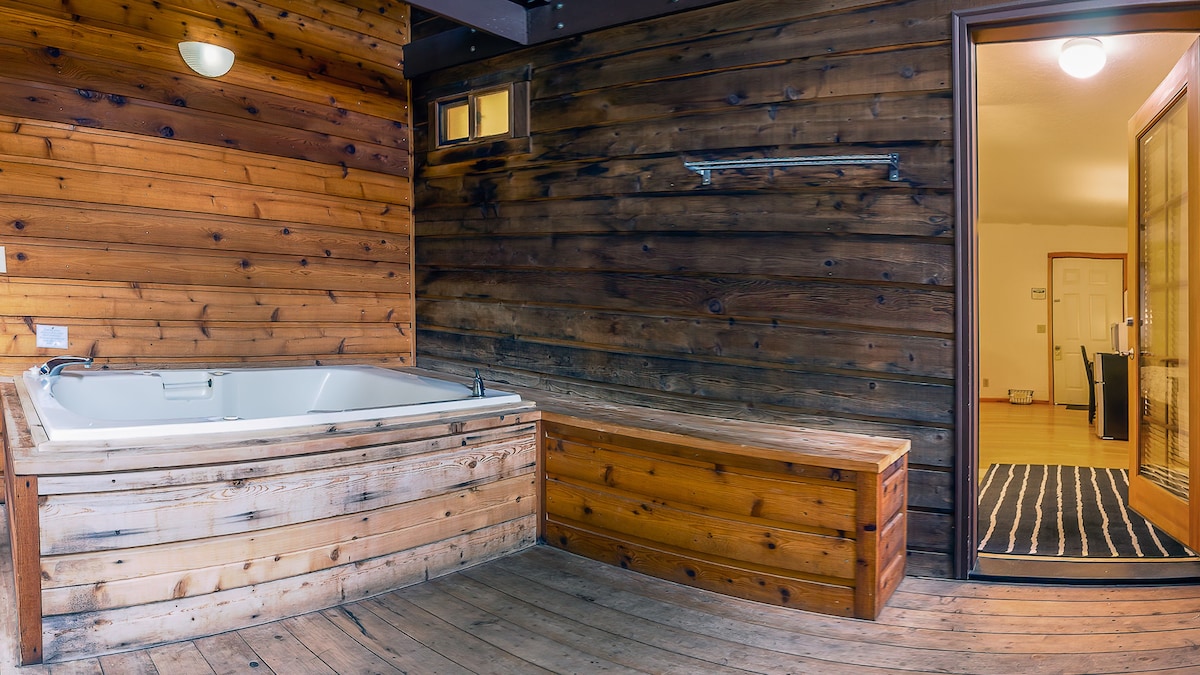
1086,298
1164,167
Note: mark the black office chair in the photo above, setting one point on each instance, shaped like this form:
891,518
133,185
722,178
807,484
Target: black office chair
1091,374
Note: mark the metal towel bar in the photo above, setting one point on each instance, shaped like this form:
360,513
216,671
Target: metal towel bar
705,169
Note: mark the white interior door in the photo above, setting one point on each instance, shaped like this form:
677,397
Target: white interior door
1087,299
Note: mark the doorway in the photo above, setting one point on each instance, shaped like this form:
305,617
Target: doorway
972,30
1086,297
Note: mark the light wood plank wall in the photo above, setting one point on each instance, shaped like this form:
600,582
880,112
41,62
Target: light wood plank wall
598,264
166,218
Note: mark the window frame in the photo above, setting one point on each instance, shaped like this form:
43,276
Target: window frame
518,114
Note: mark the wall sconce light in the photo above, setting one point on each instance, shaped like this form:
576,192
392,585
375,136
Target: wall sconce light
1082,57
208,60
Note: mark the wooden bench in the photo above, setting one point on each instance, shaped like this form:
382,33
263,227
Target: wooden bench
803,518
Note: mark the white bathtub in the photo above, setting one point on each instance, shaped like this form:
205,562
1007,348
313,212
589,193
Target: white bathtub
106,405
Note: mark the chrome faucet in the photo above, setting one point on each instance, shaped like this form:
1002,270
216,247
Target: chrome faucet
55,365
477,386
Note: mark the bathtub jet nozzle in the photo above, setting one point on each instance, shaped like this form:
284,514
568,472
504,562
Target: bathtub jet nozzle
55,365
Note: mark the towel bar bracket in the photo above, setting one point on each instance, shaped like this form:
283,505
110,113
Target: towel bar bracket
705,169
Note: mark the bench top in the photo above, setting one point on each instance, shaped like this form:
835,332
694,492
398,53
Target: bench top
749,438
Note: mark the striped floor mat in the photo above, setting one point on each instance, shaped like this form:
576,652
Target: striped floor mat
1033,509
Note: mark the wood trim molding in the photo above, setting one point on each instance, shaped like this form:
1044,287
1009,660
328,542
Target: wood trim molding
1038,19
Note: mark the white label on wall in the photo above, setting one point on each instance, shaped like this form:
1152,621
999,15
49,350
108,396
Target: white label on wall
51,337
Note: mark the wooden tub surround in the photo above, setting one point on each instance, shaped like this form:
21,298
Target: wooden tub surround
796,517
121,548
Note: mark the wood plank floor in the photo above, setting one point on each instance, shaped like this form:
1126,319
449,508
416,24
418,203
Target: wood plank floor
546,611
1043,434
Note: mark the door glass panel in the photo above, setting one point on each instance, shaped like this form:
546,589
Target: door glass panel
1163,245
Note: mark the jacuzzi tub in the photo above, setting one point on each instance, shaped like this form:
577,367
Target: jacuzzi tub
106,405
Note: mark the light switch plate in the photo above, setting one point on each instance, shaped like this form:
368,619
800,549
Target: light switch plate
3,262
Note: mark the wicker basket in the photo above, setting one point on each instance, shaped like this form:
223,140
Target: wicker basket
1020,396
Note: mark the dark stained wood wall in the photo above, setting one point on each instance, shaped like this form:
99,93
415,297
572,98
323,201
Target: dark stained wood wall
816,296
164,217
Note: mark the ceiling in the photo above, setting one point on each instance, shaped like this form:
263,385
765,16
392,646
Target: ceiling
1052,148
470,30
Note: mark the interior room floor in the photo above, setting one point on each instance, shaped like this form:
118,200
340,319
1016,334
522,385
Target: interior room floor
1043,434
546,611
1050,434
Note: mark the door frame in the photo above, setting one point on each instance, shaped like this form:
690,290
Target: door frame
1050,258
1037,19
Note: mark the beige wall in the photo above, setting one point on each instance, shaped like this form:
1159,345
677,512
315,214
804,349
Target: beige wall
1013,260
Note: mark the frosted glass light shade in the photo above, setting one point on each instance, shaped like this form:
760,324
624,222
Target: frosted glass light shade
208,60
1082,57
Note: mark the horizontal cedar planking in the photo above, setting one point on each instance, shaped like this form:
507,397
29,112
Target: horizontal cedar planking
880,259
130,53
834,392
763,342
27,298
168,571
237,467
52,219
932,445
75,523
95,108
746,498
114,339
404,433
818,80
252,527
875,119
834,211
818,557
84,634
368,18
829,303
922,165
885,27
68,143
89,183
47,259
79,569
680,567
826,504
78,71
818,296
160,240
264,36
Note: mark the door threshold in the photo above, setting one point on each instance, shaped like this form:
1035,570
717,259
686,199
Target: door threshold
1063,570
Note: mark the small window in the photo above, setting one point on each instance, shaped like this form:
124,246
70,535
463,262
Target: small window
455,121
483,114
492,114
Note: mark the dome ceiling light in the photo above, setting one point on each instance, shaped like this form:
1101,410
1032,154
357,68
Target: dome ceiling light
1082,57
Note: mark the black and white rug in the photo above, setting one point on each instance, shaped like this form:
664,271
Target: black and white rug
1074,511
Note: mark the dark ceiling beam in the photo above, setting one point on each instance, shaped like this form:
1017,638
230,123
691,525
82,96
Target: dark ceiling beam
452,48
559,19
498,17
564,18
